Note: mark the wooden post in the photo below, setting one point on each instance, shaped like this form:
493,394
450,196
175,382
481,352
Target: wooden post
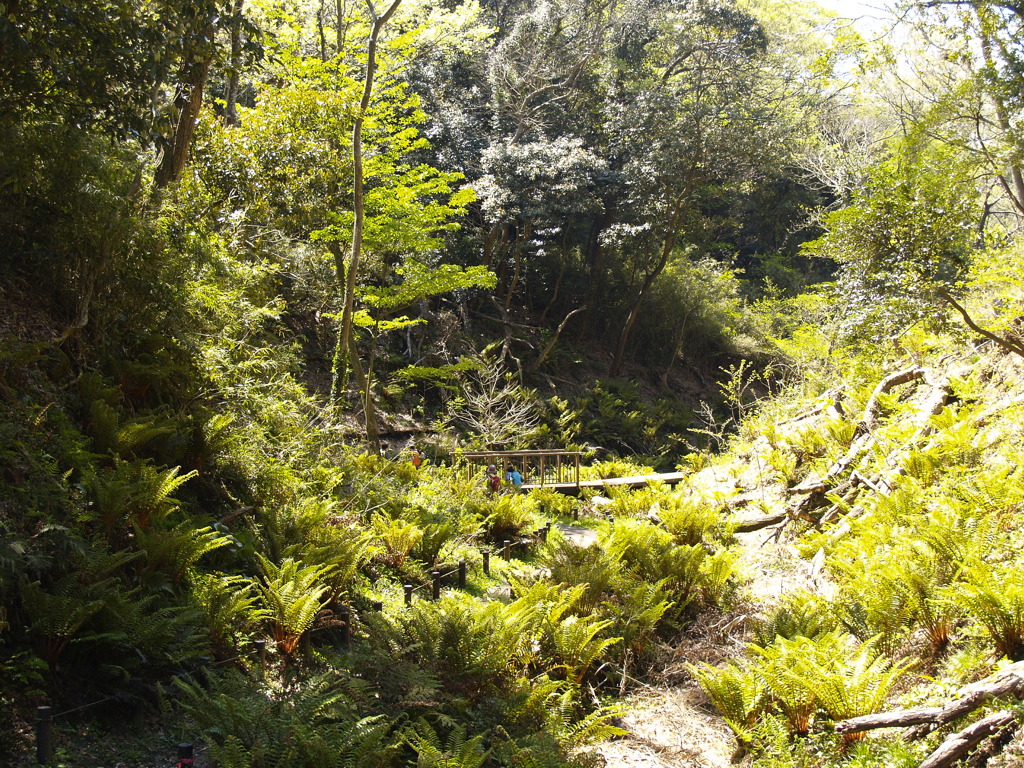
487,562
435,592
378,605
506,549
44,735
462,574
408,593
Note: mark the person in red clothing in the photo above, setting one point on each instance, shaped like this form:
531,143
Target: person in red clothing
493,481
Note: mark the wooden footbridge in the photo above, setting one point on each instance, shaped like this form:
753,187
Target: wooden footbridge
555,469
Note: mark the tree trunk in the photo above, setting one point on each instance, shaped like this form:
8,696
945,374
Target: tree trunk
320,31
1014,187
231,97
673,229
562,263
634,311
340,7
514,282
189,100
364,382
595,255
554,339
345,343
1008,344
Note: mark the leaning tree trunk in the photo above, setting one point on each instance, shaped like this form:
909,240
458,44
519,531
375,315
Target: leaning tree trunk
189,100
673,229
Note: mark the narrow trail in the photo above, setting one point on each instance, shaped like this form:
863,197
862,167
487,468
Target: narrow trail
672,724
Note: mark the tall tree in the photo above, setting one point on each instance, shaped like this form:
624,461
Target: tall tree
696,119
351,271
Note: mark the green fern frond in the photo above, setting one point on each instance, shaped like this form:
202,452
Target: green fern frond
799,613
228,606
459,751
56,615
293,595
573,644
175,551
103,424
994,597
737,691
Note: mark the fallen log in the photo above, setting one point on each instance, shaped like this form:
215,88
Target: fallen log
885,483
874,405
814,491
1009,681
960,743
757,523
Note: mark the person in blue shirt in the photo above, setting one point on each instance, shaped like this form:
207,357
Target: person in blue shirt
514,477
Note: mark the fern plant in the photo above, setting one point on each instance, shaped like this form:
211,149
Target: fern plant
343,550
457,751
293,595
994,597
798,614
635,612
693,521
396,538
831,673
508,516
316,724
470,644
573,644
228,607
574,732
173,552
56,615
850,682
595,569
737,691
133,493
112,437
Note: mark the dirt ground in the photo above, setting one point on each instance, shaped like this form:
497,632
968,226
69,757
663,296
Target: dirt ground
673,724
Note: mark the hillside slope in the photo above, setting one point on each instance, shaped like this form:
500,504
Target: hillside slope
887,576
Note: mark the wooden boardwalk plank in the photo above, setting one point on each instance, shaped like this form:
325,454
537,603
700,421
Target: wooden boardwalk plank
637,481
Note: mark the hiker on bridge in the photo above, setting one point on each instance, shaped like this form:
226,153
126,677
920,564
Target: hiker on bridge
512,476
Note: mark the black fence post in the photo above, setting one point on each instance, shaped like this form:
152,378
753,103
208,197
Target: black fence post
44,735
462,574
378,605
408,593
185,756
346,628
575,513
506,549
261,651
435,592
487,562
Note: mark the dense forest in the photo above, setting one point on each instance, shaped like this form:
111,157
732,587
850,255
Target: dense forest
271,269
